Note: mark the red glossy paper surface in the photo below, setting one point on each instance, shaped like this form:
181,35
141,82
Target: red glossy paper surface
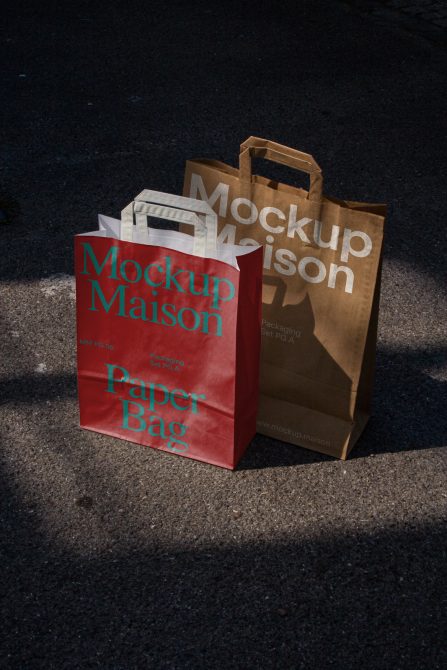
163,367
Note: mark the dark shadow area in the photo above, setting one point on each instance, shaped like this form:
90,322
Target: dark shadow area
409,403
369,600
285,372
107,104
37,388
419,17
408,413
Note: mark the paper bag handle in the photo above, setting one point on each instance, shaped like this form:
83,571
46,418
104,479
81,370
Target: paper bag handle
256,146
172,208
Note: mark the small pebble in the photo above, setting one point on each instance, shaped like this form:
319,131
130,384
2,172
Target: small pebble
237,514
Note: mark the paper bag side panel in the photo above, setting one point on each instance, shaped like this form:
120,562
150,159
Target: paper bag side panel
248,346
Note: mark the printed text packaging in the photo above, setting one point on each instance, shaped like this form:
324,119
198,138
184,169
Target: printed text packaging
169,332
321,284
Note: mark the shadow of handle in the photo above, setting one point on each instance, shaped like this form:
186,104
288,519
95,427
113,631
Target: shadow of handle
276,287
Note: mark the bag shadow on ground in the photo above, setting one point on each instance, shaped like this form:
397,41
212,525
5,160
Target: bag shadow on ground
408,413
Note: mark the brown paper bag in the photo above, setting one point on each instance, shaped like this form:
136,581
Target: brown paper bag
321,285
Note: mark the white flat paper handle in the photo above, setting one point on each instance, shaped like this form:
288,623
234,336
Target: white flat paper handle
142,210
177,203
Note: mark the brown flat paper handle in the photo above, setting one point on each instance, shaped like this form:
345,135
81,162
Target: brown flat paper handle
256,146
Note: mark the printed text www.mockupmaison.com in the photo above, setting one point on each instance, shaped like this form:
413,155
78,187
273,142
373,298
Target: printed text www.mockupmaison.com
153,277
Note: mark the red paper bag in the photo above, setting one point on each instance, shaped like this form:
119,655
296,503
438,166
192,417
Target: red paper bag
168,332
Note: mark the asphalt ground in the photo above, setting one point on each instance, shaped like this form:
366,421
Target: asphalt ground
118,557
425,18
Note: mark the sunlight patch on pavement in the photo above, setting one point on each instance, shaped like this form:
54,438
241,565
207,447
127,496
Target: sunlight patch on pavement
413,308
58,284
